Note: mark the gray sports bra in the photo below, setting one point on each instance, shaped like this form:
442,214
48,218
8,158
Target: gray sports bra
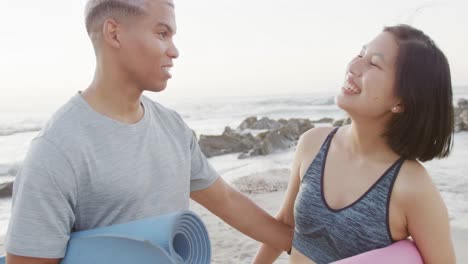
324,234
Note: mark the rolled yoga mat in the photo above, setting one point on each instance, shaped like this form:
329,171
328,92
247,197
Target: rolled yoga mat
401,252
169,239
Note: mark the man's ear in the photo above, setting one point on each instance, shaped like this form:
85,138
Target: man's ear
110,33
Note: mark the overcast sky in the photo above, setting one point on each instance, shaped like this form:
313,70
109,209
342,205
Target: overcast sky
228,47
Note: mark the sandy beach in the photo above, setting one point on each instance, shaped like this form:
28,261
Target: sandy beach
232,247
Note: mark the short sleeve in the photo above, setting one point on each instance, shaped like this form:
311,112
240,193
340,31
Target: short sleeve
202,174
44,195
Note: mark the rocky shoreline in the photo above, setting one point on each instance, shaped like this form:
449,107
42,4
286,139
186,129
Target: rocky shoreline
255,137
6,189
461,115
264,136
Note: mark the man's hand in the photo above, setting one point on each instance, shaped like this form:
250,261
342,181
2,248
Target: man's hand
12,259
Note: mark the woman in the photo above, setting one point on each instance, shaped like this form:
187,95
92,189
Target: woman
361,186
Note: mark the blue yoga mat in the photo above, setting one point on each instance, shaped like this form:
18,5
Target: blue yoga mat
175,238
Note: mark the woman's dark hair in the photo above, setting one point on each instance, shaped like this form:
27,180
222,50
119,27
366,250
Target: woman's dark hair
422,81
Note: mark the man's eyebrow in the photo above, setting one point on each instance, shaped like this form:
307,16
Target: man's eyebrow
170,4
161,24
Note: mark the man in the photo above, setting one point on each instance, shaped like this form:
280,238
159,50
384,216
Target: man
111,155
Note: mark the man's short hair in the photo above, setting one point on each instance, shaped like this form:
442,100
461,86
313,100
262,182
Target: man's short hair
97,11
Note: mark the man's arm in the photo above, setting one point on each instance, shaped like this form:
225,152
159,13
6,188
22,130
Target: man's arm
42,214
12,259
307,147
243,214
266,253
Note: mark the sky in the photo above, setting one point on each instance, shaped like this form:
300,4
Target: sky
227,47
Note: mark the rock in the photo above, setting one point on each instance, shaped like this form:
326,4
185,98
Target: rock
282,138
248,123
347,121
303,124
457,111
323,120
264,123
230,132
279,135
458,125
6,189
228,142
338,122
283,121
342,122
463,103
271,141
462,120
461,115
464,116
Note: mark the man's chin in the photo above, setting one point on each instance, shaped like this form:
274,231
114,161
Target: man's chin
156,89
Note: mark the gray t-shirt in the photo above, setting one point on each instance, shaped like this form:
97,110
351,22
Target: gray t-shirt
85,170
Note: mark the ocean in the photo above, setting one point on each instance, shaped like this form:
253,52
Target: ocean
209,116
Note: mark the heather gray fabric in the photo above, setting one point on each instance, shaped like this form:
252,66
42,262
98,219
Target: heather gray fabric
85,170
324,234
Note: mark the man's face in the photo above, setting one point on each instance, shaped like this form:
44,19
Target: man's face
148,50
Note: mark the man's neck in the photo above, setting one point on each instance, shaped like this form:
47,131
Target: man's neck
115,99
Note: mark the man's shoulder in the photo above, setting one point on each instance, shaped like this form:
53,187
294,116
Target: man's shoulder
163,112
64,121
158,107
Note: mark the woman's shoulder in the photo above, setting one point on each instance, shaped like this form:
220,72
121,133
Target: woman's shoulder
414,182
311,141
316,135
413,173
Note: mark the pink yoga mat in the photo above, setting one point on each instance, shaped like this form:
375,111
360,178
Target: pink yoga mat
401,252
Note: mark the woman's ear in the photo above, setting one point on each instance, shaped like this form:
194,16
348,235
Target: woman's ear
399,108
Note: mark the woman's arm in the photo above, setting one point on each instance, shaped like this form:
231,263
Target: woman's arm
427,218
